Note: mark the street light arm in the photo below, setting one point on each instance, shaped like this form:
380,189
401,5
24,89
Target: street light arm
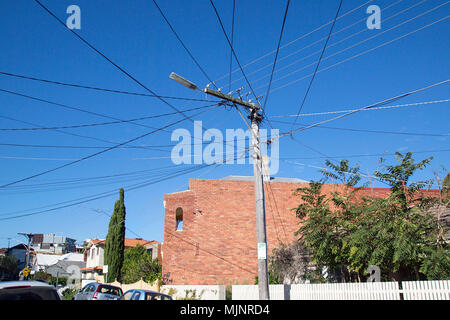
183,81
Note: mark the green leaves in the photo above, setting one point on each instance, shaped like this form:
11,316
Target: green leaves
138,264
398,233
114,244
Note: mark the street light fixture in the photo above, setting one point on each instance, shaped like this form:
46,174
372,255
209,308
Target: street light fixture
183,81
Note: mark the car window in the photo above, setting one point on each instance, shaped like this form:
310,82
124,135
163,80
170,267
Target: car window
136,295
110,290
150,296
90,288
30,293
127,295
155,296
84,289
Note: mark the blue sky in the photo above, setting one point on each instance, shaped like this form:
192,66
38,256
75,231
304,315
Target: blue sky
360,67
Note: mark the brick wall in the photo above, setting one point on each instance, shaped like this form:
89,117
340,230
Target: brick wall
218,242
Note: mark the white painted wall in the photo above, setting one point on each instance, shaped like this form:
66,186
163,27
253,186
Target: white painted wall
207,292
95,256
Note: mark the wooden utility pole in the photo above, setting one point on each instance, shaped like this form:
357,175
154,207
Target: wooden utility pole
27,259
263,273
256,118
261,234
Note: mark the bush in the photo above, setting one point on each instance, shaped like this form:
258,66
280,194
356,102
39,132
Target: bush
68,294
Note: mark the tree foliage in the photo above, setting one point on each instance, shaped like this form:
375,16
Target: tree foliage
347,232
9,267
138,264
115,240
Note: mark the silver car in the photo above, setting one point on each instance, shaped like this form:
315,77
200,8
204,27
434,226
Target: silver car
98,291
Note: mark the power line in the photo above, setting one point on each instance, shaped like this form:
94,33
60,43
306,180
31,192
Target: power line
318,63
102,123
232,40
361,155
82,200
182,43
95,178
94,197
232,50
353,45
325,169
80,136
357,55
68,133
84,111
97,88
348,110
70,107
209,252
299,38
276,54
379,131
329,46
112,62
313,43
92,155
101,159
364,108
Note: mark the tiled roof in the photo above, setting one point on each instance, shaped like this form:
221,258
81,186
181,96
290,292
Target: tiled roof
129,243
135,242
92,268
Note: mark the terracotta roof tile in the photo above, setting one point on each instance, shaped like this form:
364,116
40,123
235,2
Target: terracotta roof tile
129,243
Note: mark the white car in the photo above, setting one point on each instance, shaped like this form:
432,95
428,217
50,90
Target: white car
27,290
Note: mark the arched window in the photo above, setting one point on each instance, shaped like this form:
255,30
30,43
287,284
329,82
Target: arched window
179,219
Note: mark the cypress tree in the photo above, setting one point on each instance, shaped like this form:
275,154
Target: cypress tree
114,245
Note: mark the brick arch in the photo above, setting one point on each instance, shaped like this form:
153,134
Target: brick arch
179,218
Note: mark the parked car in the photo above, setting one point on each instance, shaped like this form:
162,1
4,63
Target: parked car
98,291
27,290
136,294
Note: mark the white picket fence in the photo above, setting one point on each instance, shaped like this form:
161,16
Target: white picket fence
411,290
426,290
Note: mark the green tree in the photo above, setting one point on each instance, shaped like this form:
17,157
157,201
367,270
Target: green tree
9,267
328,220
397,233
115,240
138,264
69,294
446,183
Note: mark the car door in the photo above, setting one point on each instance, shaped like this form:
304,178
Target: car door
127,295
89,292
82,294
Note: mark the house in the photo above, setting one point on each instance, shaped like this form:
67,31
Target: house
95,250
210,229
20,253
58,265
50,243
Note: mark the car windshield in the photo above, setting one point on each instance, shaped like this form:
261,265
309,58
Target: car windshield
30,293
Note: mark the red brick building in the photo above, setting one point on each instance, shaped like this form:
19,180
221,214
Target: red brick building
210,229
